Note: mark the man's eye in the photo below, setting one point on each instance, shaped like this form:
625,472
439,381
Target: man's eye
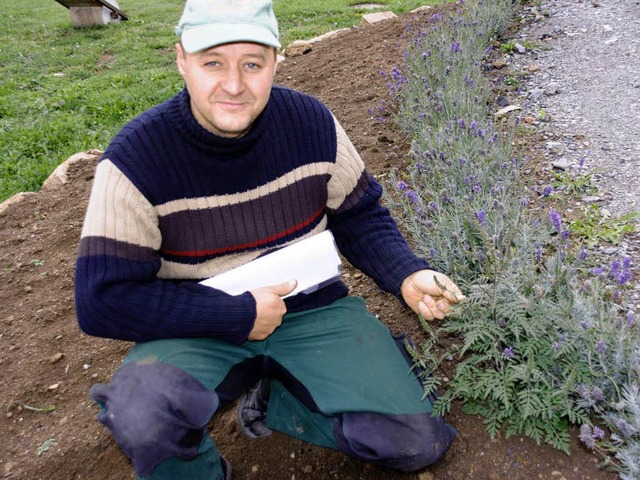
252,66
212,64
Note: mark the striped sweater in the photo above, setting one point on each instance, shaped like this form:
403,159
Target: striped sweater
172,204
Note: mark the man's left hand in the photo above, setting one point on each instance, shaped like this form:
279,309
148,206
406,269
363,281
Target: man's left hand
430,294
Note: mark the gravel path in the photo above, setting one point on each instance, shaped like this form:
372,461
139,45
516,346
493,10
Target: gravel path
584,74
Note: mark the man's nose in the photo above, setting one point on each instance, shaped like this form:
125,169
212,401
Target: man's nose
233,81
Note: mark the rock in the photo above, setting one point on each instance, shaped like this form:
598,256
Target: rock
17,198
502,101
552,89
424,8
56,358
59,176
297,48
302,47
499,64
536,93
519,48
561,164
371,18
426,476
503,111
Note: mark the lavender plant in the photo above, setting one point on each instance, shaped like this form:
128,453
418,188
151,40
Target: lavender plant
546,338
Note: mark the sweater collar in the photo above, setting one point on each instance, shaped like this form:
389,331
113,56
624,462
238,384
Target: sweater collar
194,132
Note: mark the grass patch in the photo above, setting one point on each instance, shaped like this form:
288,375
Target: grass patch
65,90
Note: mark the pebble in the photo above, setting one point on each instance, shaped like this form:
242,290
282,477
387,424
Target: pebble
56,357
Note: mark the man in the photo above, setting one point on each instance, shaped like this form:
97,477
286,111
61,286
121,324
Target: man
229,169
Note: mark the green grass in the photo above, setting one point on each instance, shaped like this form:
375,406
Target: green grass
65,90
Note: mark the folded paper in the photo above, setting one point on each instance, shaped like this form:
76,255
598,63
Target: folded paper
314,262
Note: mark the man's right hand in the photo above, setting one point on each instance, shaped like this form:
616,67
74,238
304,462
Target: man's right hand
270,308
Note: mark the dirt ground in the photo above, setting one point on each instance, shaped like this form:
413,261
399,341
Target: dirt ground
47,362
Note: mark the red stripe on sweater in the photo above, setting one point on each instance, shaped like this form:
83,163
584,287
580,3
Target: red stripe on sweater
247,245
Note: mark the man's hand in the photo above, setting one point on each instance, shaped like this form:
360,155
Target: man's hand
270,308
429,297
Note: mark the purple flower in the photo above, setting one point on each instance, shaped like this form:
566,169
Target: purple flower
473,125
626,262
413,196
630,319
537,251
597,394
583,254
555,346
481,216
556,221
456,47
508,352
623,427
548,190
615,269
461,123
586,436
624,277
598,433
601,347
402,185
596,271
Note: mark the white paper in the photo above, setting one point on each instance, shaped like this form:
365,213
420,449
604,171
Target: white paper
314,262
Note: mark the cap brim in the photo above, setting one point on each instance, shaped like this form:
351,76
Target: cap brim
207,36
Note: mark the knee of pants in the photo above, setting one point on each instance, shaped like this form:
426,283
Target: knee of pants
155,411
402,442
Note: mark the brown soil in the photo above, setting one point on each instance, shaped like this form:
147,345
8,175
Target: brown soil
47,361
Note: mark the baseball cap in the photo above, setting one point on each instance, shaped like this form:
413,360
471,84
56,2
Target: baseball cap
207,23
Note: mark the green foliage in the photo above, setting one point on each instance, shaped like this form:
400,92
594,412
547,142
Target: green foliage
546,337
574,183
597,225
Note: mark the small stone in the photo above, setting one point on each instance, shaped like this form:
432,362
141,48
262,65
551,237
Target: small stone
255,468
502,101
371,18
426,476
561,164
298,48
499,64
53,387
56,358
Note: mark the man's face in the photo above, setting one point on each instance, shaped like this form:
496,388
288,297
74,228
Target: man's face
229,85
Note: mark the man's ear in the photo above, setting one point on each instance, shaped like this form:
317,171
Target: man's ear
180,57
